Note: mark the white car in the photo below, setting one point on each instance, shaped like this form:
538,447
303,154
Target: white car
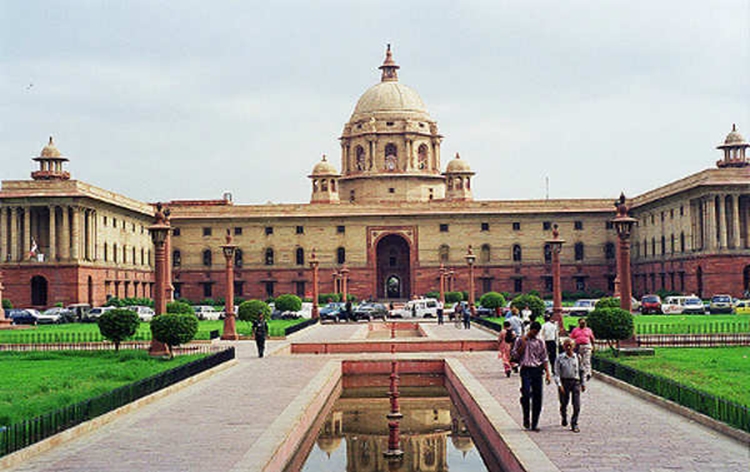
688,305
207,312
145,313
54,316
421,308
581,307
96,312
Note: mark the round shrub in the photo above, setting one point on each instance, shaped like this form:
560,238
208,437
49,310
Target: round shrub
174,329
608,302
324,298
288,302
118,325
7,305
250,309
453,297
178,307
492,300
611,324
535,304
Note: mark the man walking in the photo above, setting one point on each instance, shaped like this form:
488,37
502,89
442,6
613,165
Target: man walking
550,336
532,355
569,377
260,331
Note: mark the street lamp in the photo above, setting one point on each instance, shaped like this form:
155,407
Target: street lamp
159,231
624,226
314,263
344,273
555,245
470,259
230,324
442,271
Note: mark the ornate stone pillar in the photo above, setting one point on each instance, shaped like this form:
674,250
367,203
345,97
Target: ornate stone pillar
710,204
65,239
52,233
721,221
13,236
76,233
736,240
3,234
26,241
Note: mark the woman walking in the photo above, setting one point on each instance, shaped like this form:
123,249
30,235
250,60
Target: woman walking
584,338
506,339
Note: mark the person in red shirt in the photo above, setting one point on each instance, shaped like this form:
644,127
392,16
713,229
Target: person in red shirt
584,339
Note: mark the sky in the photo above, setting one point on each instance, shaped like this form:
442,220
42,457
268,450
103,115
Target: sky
161,100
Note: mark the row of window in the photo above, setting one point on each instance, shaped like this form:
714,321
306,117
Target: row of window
650,218
120,254
516,225
269,257
663,246
123,224
208,231
517,252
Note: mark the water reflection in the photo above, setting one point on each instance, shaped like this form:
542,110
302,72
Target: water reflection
433,437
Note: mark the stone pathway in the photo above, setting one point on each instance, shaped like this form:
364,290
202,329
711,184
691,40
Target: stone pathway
210,425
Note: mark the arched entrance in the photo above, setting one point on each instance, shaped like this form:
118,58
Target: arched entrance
746,281
394,267
38,291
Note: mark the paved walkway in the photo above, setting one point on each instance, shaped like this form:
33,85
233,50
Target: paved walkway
211,425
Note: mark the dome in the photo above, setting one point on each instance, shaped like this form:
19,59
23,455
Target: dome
50,150
391,98
457,166
324,168
328,445
734,137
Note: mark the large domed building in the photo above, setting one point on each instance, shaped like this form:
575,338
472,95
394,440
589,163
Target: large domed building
383,225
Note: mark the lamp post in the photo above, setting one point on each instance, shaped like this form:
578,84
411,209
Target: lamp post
3,320
442,272
159,231
624,227
344,273
230,323
556,247
470,259
314,263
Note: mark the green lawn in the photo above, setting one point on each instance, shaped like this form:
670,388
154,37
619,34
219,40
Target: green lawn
720,371
34,383
84,332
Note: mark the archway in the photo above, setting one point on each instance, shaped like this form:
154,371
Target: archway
38,291
699,281
90,291
393,267
746,281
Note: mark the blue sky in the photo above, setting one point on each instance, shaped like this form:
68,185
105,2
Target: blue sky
169,100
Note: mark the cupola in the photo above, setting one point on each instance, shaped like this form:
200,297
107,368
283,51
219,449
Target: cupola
324,182
734,150
50,164
458,176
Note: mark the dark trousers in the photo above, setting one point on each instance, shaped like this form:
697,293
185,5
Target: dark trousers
572,389
260,341
467,321
531,395
551,353
440,316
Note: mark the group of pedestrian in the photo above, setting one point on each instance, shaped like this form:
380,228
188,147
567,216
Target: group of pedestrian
462,314
533,349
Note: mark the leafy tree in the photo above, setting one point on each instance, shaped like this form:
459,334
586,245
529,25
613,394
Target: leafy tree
535,293
324,298
115,302
178,307
249,310
453,297
288,302
207,301
492,300
433,294
7,305
118,325
174,329
535,304
611,324
608,302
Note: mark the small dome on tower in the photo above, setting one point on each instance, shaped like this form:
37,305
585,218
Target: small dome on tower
324,168
50,150
734,137
457,165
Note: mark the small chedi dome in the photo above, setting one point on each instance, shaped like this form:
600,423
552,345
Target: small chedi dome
734,137
50,150
324,168
50,164
733,147
457,165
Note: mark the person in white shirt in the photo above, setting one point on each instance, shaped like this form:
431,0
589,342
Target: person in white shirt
526,315
550,334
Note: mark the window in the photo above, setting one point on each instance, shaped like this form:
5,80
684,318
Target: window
341,229
663,246
238,258
176,231
653,246
671,213
443,227
547,253
682,211
662,216
351,196
391,155
114,252
484,253
516,226
609,225
486,285
578,249
485,226
133,260
239,287
548,287
672,245
269,230
682,242
269,257
340,255
518,285
391,190
237,230
611,283
359,152
207,257
444,253
206,231
517,254
208,291
104,221
124,254
609,251
578,225
114,222
547,225
300,256
300,230
300,288
106,250
422,156
580,283
270,289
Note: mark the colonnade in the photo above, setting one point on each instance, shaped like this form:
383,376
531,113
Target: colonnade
720,221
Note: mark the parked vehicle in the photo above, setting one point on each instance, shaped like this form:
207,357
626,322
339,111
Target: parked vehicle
651,304
145,313
369,311
20,316
331,312
742,307
721,304
420,308
96,312
687,305
206,312
581,307
80,310
56,315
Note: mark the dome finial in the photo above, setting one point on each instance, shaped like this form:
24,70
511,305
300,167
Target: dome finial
389,67
458,156
51,143
324,158
734,128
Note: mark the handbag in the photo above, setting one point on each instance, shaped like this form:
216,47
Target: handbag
518,349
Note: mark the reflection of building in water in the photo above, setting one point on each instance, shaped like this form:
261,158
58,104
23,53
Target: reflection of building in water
460,436
362,424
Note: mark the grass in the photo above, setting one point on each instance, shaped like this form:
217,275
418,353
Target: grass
90,331
720,371
34,383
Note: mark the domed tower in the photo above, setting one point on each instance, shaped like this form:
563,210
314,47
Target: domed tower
734,150
458,176
50,164
324,182
390,148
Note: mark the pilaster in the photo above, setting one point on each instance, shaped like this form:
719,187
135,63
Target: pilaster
736,240
3,234
26,241
721,221
52,255
14,234
65,240
76,233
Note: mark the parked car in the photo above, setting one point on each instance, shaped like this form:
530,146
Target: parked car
369,311
581,307
687,305
56,315
80,310
206,312
20,316
331,312
145,313
651,304
421,308
721,304
742,307
96,312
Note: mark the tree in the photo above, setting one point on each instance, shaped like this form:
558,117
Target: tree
608,302
453,297
535,304
118,325
174,329
178,307
7,305
492,300
611,324
288,302
324,298
249,310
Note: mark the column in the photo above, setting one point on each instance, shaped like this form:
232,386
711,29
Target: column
26,240
76,233
65,240
710,233
52,256
3,234
736,241
721,221
13,234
